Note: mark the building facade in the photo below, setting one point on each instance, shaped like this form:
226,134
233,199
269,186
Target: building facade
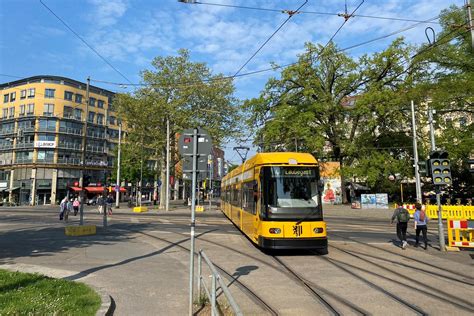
43,130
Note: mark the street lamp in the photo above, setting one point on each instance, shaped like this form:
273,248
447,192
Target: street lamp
117,184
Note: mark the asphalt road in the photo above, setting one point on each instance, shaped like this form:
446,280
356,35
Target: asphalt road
142,261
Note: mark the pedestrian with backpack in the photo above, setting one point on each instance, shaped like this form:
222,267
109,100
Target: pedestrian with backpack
403,217
421,221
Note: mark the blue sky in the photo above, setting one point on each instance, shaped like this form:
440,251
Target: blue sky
130,33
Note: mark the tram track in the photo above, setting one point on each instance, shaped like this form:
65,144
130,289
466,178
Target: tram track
251,294
466,277
431,292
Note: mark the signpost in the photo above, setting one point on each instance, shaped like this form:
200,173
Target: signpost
193,143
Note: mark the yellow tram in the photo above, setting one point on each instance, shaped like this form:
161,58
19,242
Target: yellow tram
275,199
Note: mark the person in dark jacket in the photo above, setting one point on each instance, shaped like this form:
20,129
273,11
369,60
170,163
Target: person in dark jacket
402,217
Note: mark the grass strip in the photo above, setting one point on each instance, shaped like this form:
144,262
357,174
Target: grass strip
35,294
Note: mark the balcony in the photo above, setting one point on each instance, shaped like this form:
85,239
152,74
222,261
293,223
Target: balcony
95,135
26,129
96,149
6,146
7,131
47,129
6,162
71,146
23,160
69,161
24,145
45,161
69,130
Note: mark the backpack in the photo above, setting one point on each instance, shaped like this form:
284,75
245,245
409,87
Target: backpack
403,215
422,216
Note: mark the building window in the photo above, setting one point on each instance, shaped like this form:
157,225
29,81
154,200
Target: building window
78,98
5,113
68,112
47,125
46,155
23,94
12,112
68,95
12,96
91,117
48,109
22,109
30,109
92,101
100,104
78,114
46,137
49,93
5,98
112,120
100,119
31,93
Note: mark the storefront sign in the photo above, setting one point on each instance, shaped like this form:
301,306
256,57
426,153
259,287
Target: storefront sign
45,144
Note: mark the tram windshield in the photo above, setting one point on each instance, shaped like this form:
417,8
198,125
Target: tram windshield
293,187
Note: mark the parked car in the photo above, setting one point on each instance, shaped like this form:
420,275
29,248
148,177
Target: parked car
92,201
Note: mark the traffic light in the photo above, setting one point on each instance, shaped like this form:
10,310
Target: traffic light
440,168
423,168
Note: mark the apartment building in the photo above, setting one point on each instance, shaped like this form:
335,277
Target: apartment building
42,136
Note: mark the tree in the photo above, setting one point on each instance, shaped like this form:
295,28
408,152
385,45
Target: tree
186,94
334,106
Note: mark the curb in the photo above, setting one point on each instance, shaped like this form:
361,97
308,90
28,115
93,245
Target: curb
107,306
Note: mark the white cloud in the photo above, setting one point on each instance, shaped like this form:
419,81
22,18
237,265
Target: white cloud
107,12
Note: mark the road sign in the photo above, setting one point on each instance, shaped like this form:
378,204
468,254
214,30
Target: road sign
199,176
201,164
185,142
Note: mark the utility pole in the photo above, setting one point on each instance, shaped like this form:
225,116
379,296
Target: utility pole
167,204
415,154
83,155
471,23
117,184
438,189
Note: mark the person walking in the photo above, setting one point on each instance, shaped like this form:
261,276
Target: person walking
68,209
100,201
402,217
109,203
62,208
421,221
75,206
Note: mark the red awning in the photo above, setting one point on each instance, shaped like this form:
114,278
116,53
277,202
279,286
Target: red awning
76,189
95,189
101,189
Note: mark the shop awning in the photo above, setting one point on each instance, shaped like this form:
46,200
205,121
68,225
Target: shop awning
75,189
95,189
123,190
12,189
3,189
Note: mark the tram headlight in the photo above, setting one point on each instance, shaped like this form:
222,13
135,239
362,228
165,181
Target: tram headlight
274,230
318,230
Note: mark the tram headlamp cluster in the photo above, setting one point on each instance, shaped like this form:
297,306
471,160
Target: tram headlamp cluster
274,230
318,230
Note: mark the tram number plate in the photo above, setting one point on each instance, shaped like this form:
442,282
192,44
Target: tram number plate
297,230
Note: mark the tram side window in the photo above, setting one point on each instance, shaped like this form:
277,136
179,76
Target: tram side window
235,196
248,198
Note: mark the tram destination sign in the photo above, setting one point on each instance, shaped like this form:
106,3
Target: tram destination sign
186,143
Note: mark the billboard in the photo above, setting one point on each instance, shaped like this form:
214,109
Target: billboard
331,175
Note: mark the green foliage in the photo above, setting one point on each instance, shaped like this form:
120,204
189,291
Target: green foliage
33,294
180,91
357,111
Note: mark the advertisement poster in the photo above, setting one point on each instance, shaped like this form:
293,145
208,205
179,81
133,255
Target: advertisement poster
379,200
330,174
382,200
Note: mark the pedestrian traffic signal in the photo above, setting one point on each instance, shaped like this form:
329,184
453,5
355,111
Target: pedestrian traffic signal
440,168
423,168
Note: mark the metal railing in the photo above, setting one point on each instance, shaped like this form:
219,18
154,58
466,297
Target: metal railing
69,161
215,278
24,145
69,130
95,149
23,160
7,131
70,146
